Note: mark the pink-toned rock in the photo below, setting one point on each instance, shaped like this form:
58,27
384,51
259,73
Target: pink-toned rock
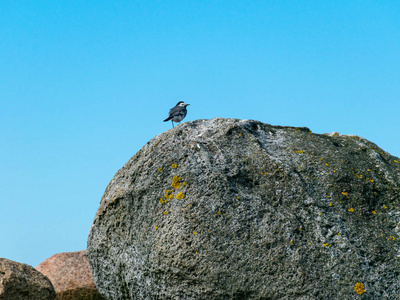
70,275
22,282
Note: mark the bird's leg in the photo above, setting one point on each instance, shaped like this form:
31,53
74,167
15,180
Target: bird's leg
172,123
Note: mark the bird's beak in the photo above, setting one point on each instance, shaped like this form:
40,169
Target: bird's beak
187,104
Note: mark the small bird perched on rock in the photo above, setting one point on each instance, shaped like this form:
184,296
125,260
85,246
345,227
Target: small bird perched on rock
177,113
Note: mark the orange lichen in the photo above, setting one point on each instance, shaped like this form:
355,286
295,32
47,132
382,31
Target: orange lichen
359,288
350,209
345,194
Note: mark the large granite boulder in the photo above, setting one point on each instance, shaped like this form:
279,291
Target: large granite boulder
22,282
238,209
70,275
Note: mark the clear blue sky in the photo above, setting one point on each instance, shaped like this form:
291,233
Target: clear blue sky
85,84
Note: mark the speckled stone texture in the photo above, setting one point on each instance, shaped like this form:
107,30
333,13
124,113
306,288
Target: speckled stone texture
238,209
22,282
70,274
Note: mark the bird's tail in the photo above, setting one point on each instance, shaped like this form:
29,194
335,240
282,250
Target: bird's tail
167,119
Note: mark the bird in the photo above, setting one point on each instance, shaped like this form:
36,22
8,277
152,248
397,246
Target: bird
177,113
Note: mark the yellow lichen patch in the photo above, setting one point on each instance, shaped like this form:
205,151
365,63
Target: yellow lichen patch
359,288
345,194
330,204
170,196
176,182
162,200
374,212
180,196
174,165
176,185
350,209
326,245
165,212
392,237
194,232
176,178
291,242
156,227
326,164
160,169
371,180
396,161
184,183
218,213
300,151
385,207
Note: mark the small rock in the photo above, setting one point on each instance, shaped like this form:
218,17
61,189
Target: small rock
20,281
71,276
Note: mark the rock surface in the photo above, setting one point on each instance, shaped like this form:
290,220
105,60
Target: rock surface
70,275
22,282
238,209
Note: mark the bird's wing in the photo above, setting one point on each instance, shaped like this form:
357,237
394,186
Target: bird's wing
174,110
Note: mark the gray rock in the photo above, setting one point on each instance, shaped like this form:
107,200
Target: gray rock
22,282
256,212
